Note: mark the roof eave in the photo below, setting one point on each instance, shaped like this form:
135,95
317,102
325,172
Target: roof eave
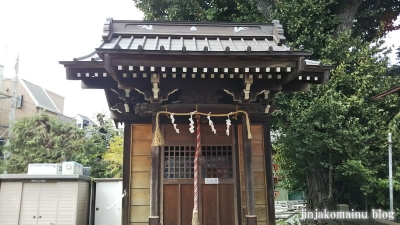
215,23
48,109
83,64
389,92
101,52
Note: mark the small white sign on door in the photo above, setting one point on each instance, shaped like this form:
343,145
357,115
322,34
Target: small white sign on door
211,180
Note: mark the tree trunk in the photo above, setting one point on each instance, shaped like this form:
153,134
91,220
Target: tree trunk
347,15
318,194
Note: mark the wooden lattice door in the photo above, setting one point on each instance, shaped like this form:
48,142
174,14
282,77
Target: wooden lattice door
216,201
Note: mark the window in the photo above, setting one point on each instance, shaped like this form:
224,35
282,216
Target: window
218,162
179,161
20,100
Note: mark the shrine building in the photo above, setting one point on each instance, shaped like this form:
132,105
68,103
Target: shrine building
196,102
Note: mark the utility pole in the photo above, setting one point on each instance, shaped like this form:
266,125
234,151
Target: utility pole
4,64
390,172
11,115
1,91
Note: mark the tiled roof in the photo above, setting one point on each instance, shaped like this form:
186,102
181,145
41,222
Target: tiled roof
155,43
93,56
190,37
40,96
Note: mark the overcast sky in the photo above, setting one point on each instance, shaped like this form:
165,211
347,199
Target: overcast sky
45,32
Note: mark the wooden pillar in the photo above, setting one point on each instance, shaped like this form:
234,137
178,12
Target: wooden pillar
268,173
237,168
154,218
251,218
126,174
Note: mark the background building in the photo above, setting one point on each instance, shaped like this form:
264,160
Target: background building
31,100
83,121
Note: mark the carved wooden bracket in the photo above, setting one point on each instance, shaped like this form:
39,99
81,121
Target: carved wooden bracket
254,108
199,96
248,81
120,95
241,98
146,109
266,93
127,92
149,95
155,81
120,107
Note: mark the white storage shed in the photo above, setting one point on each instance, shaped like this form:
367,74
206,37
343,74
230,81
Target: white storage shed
44,199
107,201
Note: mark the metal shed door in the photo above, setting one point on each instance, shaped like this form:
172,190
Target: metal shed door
38,204
10,199
108,203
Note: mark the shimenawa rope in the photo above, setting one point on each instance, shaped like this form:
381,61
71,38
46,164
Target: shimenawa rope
158,139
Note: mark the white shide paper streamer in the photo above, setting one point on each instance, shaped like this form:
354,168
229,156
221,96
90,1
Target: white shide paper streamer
211,123
191,128
228,124
173,123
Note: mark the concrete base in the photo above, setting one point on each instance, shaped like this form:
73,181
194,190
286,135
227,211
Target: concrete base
154,220
251,219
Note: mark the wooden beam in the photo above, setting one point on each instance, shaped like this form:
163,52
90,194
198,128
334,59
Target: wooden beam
70,74
260,118
204,61
248,169
126,173
98,83
295,87
325,78
155,179
268,173
96,73
300,67
109,68
194,83
132,118
83,64
126,74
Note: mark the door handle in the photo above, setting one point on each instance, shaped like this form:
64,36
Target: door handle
40,217
34,217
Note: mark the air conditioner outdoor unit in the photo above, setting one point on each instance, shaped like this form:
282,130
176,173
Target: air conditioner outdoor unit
44,169
86,171
72,168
